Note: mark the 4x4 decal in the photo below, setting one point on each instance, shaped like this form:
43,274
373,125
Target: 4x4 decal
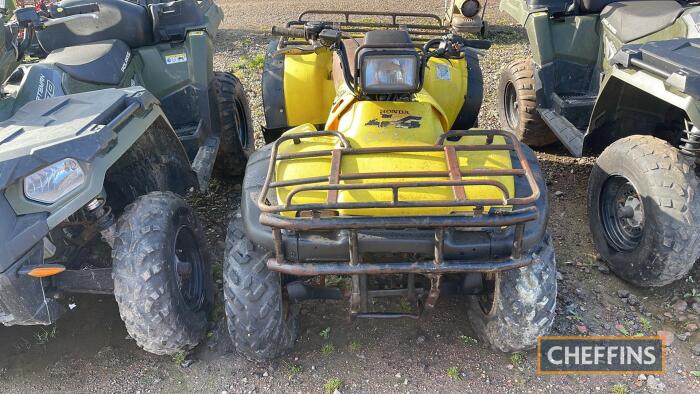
407,122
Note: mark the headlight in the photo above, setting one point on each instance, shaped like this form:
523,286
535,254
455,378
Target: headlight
468,8
51,183
389,73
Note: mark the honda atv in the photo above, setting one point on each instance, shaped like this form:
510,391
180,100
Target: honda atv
98,142
391,184
621,78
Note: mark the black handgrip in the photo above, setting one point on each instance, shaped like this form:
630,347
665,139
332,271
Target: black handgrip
286,32
78,9
477,44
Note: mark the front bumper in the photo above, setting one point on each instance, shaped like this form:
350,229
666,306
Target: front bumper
22,298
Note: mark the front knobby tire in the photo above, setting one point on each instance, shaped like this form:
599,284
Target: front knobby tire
517,105
231,109
261,323
162,277
520,305
643,210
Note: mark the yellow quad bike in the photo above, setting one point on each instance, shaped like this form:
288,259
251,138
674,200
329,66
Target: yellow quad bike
384,189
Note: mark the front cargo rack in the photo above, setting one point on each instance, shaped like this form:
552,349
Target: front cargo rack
420,26
523,210
456,178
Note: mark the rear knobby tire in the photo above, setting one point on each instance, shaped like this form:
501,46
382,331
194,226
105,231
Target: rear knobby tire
667,245
522,306
155,312
261,324
232,112
517,105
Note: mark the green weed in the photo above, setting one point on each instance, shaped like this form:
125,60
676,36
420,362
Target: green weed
332,385
294,370
327,349
453,373
517,359
467,340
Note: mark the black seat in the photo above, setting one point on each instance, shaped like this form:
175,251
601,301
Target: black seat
631,20
117,19
100,63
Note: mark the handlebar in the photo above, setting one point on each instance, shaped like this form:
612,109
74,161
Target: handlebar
477,44
321,34
58,21
286,32
89,8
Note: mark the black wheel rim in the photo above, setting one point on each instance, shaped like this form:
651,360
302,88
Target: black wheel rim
622,214
189,268
510,104
488,297
242,126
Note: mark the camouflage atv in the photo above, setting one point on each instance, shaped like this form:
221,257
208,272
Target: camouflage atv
621,78
97,143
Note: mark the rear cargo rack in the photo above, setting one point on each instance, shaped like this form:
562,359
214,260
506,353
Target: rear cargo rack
421,26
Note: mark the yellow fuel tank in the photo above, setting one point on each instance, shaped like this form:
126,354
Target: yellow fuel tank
391,124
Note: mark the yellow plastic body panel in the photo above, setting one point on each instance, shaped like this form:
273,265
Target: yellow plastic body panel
446,82
361,125
308,88
309,92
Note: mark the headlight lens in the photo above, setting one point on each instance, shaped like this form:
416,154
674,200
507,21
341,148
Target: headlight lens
51,183
469,8
384,74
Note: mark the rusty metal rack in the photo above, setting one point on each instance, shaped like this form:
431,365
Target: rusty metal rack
271,213
455,178
421,26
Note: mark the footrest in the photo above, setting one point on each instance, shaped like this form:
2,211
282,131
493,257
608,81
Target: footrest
203,163
567,133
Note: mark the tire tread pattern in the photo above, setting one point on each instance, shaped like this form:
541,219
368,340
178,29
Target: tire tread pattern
255,315
673,187
532,130
232,157
143,281
525,308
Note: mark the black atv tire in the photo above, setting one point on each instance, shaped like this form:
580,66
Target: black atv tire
231,110
523,304
146,283
662,245
517,105
261,325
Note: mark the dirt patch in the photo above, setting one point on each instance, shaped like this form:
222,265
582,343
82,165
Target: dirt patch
89,350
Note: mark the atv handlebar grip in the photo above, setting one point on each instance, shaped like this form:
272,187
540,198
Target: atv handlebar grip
477,44
286,32
80,9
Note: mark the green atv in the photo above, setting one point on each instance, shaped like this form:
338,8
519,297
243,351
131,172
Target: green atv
466,16
621,78
98,142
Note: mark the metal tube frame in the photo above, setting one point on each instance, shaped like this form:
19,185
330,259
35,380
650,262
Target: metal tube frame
420,32
271,214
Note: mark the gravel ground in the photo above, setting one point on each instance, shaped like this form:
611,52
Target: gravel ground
89,350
